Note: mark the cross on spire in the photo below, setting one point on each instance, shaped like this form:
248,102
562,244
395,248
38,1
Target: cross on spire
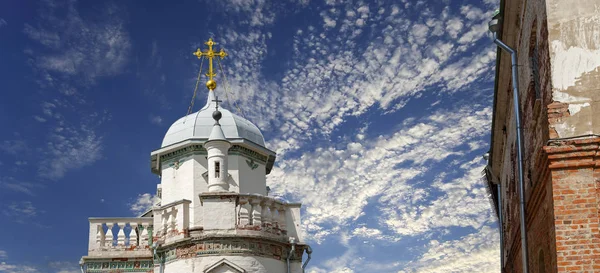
210,54
216,101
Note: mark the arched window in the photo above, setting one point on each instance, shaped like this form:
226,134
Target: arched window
217,169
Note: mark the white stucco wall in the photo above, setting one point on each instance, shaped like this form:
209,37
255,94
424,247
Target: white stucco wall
185,182
248,263
247,179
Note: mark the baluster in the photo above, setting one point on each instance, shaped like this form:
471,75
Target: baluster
121,234
174,226
165,217
169,224
109,235
100,236
256,212
281,211
133,235
144,237
273,212
244,214
265,214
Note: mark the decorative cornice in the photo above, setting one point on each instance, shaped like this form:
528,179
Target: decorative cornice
574,153
242,147
236,245
119,265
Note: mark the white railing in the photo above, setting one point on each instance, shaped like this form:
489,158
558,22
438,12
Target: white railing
172,221
265,214
119,234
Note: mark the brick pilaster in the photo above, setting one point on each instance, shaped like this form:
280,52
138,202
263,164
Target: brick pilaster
575,172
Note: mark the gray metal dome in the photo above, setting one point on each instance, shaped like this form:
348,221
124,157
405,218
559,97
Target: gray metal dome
199,126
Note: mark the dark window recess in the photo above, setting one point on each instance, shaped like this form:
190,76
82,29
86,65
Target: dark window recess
534,61
541,262
535,72
217,169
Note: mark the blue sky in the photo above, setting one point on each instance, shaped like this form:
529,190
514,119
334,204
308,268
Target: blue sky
379,112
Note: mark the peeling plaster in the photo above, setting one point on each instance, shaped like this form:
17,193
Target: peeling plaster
574,43
576,107
570,64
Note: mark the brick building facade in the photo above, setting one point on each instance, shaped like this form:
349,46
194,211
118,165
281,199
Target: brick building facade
558,45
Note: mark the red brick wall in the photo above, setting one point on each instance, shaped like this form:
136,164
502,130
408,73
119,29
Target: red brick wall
575,167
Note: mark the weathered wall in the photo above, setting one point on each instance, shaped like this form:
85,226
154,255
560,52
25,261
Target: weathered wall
525,29
574,38
558,45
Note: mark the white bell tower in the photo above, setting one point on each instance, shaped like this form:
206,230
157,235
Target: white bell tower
215,215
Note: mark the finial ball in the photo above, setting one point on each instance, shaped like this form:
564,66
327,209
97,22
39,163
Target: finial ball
211,84
217,115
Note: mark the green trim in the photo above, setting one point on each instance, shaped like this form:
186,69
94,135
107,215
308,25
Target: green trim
250,154
197,149
119,266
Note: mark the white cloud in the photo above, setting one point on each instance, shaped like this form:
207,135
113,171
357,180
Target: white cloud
7,267
143,203
156,119
80,50
336,74
10,268
258,12
20,212
65,267
12,184
77,52
70,148
13,147
454,26
3,22
355,175
39,119
476,252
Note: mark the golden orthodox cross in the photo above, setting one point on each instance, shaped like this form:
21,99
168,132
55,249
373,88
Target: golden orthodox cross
210,54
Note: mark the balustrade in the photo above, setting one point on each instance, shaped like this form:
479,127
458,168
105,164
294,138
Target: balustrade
131,234
172,220
264,213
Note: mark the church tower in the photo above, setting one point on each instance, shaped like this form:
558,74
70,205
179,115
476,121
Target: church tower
214,215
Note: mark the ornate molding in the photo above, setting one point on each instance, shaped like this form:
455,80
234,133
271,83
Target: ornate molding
119,266
200,150
231,246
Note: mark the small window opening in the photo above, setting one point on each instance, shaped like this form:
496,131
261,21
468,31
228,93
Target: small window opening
217,169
